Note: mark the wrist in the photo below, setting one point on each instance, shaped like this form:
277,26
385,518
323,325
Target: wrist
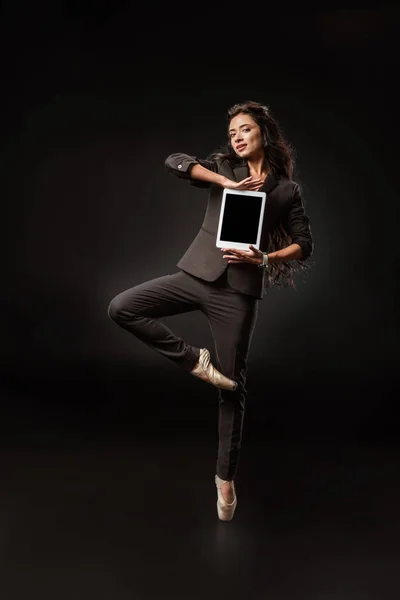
263,260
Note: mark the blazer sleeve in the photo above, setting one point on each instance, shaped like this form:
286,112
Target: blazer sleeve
297,224
181,164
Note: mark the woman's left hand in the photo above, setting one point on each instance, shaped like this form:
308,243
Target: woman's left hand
252,256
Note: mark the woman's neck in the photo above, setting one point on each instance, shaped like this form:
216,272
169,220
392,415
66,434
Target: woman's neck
258,168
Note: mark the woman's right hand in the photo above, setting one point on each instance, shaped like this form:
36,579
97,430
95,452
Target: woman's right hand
249,184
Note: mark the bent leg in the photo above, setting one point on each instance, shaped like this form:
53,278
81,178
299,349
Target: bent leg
138,309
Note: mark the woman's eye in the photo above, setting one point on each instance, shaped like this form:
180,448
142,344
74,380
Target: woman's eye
245,129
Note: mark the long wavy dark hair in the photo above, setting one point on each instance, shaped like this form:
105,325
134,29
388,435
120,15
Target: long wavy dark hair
280,158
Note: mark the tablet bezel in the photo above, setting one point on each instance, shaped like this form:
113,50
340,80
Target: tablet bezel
240,245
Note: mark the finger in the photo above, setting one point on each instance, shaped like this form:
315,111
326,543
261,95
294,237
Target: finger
254,182
250,180
231,250
235,255
238,260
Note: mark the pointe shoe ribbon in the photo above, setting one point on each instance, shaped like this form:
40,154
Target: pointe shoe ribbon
207,372
225,509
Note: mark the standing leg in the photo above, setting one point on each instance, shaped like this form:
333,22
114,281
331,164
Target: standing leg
138,309
232,317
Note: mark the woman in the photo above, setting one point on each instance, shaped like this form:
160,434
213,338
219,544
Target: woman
226,285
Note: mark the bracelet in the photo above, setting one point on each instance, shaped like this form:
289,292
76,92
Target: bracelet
265,261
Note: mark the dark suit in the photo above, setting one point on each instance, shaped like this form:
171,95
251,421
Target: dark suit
227,294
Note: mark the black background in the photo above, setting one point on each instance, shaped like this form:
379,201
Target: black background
93,101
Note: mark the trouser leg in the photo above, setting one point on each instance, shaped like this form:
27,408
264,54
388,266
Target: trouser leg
232,320
139,309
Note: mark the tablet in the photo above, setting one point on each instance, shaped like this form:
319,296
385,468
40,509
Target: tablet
241,218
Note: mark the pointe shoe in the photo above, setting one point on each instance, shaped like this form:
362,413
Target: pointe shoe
205,371
225,509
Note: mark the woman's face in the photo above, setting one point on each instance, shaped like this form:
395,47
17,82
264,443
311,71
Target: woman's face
246,136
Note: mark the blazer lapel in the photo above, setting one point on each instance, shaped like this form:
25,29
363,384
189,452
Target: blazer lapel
269,184
242,171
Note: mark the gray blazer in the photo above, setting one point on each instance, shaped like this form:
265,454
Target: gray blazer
284,205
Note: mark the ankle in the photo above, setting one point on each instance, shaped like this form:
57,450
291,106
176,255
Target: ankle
227,485
228,492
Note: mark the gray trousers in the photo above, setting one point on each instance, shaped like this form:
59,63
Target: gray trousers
232,317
